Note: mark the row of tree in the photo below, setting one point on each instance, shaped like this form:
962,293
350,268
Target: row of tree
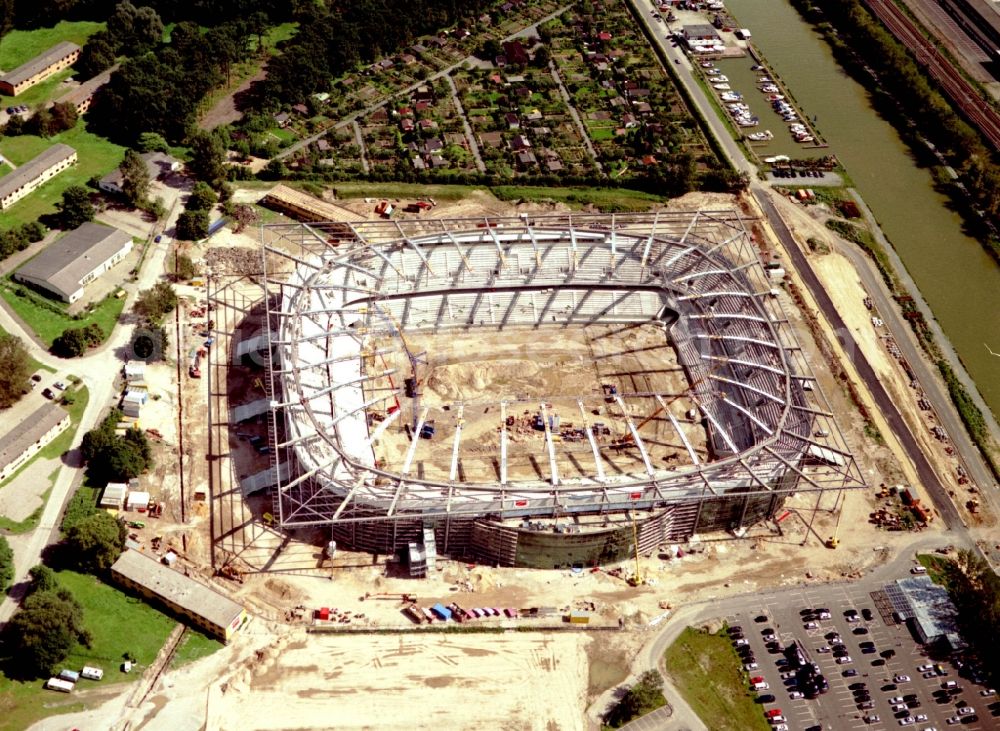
975,589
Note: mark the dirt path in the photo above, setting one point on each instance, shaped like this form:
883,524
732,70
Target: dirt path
225,110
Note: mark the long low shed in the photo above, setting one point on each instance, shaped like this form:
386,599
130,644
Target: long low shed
205,607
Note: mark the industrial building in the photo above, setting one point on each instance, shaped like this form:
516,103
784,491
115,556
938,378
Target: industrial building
928,609
19,183
744,419
25,440
304,207
202,606
66,266
60,56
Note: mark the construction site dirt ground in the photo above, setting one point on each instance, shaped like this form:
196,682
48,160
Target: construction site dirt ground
276,676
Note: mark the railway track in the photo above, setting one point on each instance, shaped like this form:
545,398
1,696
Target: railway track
961,92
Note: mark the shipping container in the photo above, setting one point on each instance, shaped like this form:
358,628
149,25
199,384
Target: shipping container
442,611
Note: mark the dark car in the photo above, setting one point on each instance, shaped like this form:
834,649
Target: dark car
860,630
878,662
773,647
760,618
888,687
849,673
734,630
867,614
859,684
766,698
831,635
888,653
37,377
913,704
47,393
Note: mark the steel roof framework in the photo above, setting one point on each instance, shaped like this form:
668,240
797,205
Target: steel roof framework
371,278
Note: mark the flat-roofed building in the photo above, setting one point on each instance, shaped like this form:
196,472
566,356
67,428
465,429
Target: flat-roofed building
24,440
21,182
305,207
82,96
202,606
69,264
60,56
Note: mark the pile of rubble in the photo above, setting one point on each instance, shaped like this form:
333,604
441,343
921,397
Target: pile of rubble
234,260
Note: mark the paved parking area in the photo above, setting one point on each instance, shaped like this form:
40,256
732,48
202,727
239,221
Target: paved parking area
837,709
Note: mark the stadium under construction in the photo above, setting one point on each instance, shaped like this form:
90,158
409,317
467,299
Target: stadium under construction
543,392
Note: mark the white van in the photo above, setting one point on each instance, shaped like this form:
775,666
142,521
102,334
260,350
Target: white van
91,673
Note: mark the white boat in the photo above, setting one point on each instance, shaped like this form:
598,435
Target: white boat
775,98
722,87
730,96
760,136
805,138
749,122
769,89
713,72
707,64
721,79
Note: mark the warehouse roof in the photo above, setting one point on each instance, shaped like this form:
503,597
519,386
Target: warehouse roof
39,63
64,263
29,431
31,169
176,588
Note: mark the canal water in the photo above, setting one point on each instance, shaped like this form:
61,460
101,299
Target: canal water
956,276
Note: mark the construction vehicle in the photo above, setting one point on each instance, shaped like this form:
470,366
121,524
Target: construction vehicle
610,391
833,541
403,597
194,369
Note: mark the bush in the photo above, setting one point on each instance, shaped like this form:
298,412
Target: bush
74,342
153,304
6,564
42,633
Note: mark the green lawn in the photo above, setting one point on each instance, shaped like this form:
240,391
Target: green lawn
46,323
707,672
5,168
97,156
938,568
194,646
53,450
118,623
609,200
19,46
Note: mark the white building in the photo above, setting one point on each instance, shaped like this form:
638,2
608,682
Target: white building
68,265
21,182
24,440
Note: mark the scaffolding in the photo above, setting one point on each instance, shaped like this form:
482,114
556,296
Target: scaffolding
347,291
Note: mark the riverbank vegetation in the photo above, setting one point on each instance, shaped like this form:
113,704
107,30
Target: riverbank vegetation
905,95
971,415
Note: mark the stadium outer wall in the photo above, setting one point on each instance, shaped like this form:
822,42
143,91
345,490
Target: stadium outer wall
521,546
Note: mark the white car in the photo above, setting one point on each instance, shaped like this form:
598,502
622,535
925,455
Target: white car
825,615
811,625
823,649
930,674
931,728
853,618
777,720
925,668
770,638
896,699
898,707
741,642
873,718
796,694
906,721
953,720
987,693
60,385
751,666
844,660
901,679
966,711
921,717
781,727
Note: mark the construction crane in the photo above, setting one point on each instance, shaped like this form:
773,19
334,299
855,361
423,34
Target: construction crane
411,385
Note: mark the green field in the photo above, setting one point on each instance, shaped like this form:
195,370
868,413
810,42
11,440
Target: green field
47,324
194,646
5,168
118,623
97,156
938,568
707,672
53,450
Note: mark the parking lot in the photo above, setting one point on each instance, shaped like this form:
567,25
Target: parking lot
838,708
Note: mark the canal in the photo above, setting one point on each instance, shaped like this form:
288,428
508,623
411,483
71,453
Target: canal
959,280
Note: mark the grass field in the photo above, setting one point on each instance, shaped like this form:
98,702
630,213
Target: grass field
97,156
194,646
118,623
53,450
47,324
706,671
938,568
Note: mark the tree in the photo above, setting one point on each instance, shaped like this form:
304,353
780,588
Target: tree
135,178
113,458
97,541
97,55
74,342
183,268
645,696
42,579
202,198
152,142
75,209
48,626
6,564
208,157
15,369
192,225
153,304
64,117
